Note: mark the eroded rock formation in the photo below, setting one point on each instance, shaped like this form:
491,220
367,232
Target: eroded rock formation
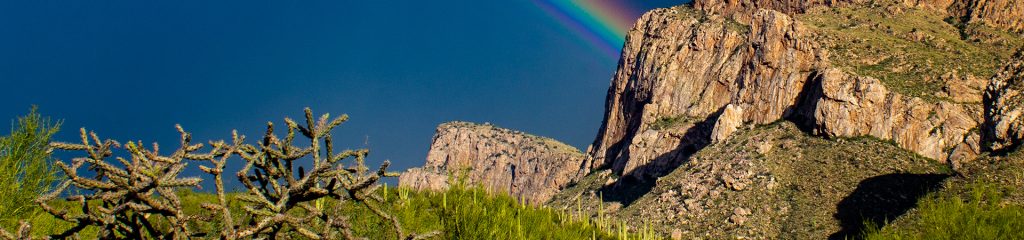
850,106
680,69
1004,105
527,167
681,66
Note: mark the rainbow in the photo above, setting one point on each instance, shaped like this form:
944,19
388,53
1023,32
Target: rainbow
601,23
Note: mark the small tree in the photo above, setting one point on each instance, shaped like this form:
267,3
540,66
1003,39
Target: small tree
26,165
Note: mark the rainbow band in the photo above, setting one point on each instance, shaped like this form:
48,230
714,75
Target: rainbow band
602,23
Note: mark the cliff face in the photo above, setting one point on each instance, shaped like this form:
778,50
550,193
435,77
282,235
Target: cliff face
808,83
848,106
680,69
501,160
1002,14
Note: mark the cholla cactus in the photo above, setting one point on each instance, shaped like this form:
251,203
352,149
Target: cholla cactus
126,201
137,199
283,197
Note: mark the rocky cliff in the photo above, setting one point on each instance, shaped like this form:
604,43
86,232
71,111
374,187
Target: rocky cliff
874,91
527,167
772,119
680,68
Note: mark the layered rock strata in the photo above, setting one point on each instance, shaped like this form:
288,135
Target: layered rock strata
527,167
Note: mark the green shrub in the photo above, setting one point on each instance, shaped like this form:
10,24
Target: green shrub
27,166
981,215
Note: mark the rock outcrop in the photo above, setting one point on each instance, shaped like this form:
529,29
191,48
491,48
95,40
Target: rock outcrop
1004,104
727,123
681,66
525,166
1002,14
850,106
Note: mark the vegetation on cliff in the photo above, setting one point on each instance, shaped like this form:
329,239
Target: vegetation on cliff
913,51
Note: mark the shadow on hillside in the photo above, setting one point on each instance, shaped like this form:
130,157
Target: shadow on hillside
638,183
881,199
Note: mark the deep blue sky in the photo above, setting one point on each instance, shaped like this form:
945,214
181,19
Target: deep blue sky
130,70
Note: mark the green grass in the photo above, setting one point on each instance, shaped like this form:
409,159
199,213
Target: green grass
471,213
671,122
458,213
871,42
980,215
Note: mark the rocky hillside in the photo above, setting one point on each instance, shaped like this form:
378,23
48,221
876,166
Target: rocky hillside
693,115
681,68
767,182
1002,14
526,166
785,119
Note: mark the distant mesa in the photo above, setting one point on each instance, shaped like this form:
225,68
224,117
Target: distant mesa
527,167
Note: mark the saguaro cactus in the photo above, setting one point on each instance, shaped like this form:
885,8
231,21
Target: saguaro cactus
138,197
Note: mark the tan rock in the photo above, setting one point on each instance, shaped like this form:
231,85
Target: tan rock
1003,14
771,71
728,122
850,106
760,68
501,160
1004,104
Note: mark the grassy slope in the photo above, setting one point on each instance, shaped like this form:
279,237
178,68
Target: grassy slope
909,49
987,202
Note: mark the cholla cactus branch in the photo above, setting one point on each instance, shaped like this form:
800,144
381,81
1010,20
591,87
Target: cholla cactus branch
138,198
124,201
283,196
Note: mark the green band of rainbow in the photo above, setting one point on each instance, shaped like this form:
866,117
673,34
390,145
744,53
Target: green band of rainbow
602,23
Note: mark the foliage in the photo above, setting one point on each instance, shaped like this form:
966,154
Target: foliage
909,50
458,213
141,197
671,122
981,215
463,212
27,166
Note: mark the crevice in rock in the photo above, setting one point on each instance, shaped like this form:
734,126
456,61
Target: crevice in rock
802,113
